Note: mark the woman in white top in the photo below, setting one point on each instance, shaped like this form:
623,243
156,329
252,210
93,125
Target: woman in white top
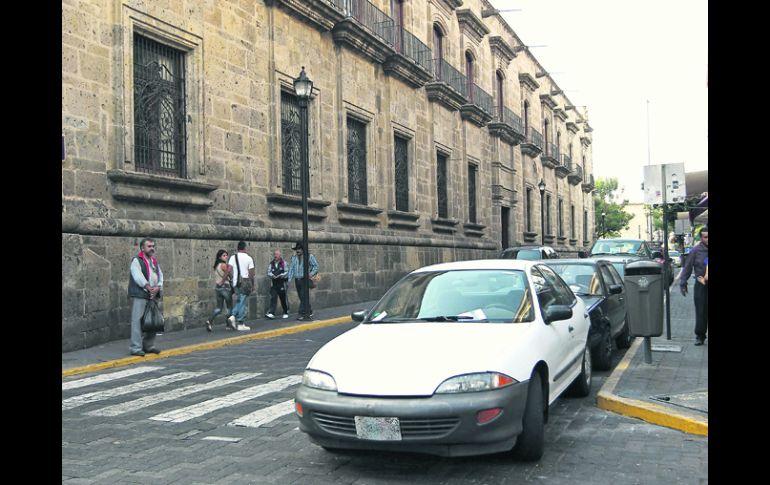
223,288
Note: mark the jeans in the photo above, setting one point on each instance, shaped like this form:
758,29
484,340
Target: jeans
139,340
240,308
304,307
701,298
275,293
224,295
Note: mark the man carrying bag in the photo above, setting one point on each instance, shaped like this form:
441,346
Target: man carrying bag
145,285
243,282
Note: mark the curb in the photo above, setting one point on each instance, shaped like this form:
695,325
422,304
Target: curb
649,412
205,346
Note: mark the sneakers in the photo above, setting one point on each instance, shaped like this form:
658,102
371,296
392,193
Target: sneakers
699,341
153,350
242,328
269,315
208,325
285,315
138,353
231,322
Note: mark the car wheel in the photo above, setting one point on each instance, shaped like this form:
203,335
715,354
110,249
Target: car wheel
603,355
624,339
529,444
581,386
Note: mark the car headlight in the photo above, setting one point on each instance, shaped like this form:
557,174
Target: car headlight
482,381
319,380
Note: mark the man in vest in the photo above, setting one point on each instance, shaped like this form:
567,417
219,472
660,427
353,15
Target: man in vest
277,271
144,283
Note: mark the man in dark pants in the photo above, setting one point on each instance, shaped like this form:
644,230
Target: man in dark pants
696,262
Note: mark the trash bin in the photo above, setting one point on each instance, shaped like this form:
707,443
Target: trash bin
644,298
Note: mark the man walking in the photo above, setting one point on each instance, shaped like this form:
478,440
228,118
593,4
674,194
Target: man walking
696,262
277,271
242,269
296,273
145,282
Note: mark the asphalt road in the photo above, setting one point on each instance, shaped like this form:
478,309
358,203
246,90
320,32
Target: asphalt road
224,417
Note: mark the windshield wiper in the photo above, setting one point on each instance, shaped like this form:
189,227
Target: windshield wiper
446,318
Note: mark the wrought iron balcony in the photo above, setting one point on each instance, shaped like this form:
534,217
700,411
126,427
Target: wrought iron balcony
576,176
449,86
508,126
533,144
565,167
550,156
366,29
479,109
588,185
412,61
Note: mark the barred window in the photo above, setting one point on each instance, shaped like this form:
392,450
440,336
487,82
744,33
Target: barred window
585,225
443,211
548,214
356,162
159,108
529,209
561,217
402,173
291,144
572,220
472,170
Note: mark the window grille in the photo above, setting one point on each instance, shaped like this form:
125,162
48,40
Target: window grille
472,170
356,162
441,184
291,144
402,174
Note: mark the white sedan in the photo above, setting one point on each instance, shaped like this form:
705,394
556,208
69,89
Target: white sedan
456,359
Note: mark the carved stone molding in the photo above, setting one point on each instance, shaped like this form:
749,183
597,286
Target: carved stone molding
475,114
282,205
530,237
442,93
471,24
405,69
501,49
573,127
444,225
561,114
319,13
403,220
160,190
528,81
361,40
547,100
358,214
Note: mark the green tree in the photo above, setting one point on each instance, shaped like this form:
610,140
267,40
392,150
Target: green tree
607,201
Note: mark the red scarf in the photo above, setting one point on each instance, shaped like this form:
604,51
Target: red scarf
147,263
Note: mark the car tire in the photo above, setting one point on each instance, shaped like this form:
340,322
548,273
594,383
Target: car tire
581,386
529,444
603,354
624,339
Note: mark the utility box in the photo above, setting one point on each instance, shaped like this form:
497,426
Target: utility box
644,298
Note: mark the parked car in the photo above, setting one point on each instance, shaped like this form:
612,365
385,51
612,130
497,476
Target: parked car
456,359
600,286
633,250
676,258
530,253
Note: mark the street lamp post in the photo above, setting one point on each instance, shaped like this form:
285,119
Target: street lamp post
303,86
541,186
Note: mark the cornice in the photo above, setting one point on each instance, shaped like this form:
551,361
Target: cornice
573,127
547,100
559,113
451,4
587,128
471,24
528,81
501,48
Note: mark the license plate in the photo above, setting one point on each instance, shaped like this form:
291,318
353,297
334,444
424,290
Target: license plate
378,429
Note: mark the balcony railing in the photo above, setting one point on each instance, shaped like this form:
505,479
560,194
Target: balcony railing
406,44
534,137
552,150
566,161
369,16
444,72
480,98
508,117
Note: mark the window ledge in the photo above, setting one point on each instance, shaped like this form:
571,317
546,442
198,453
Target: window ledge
530,236
444,225
358,214
160,190
403,220
283,205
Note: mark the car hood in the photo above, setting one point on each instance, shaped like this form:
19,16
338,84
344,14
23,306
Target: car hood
413,359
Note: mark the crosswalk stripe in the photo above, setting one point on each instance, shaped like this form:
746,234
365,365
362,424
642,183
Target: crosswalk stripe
197,410
88,381
81,399
146,401
265,415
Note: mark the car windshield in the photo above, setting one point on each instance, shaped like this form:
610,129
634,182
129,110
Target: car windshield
528,254
620,268
579,275
616,247
461,296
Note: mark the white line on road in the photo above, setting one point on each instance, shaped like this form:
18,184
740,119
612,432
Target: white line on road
222,438
88,381
76,401
146,401
265,415
197,410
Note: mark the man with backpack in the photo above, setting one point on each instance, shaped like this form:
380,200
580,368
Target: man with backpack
242,269
277,271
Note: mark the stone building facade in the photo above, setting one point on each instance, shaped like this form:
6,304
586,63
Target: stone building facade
430,126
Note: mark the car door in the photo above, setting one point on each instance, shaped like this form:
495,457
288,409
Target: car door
576,327
614,304
555,341
617,324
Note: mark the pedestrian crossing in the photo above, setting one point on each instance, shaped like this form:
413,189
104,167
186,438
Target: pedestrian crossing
170,387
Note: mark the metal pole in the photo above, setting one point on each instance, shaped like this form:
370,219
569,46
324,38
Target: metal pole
542,219
305,192
665,254
648,350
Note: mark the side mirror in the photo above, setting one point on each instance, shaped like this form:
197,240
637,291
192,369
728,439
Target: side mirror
358,316
616,289
554,313
582,254
657,255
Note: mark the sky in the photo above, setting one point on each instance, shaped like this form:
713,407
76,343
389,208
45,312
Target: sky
615,55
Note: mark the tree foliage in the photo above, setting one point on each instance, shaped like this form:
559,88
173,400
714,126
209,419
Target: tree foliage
607,201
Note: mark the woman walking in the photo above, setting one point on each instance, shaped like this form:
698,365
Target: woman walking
223,288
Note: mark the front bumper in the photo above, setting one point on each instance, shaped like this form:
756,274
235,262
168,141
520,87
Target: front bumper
442,424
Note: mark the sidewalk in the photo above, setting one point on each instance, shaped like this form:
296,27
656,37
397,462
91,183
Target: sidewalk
673,390
117,350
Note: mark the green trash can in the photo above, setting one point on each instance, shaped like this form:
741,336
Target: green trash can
644,298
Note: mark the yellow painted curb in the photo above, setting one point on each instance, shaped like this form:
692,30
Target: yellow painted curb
205,346
649,412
